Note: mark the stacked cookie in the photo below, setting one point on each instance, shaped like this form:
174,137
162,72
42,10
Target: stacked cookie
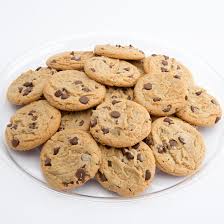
91,111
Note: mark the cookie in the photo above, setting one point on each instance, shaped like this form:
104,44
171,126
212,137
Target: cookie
116,93
164,64
28,87
119,52
32,125
69,60
161,94
69,159
126,171
120,123
111,72
78,119
202,109
177,146
139,65
72,90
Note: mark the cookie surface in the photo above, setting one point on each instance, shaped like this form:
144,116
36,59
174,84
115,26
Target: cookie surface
69,159
202,109
127,171
111,72
164,64
69,60
120,123
139,65
161,94
79,120
72,90
28,87
32,125
116,93
119,52
177,146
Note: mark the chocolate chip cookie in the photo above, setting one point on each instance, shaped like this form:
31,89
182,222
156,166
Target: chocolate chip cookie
120,123
32,125
72,90
202,109
69,159
126,171
119,52
177,146
161,94
78,119
28,87
116,93
111,72
69,60
164,64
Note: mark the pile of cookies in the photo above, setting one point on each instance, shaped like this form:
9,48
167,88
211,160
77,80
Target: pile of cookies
112,114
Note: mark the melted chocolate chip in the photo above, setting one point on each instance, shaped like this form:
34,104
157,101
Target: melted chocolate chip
148,86
15,142
102,176
129,155
37,69
214,102
181,139
127,69
136,146
149,141
153,55
147,175
115,101
9,125
164,69
164,63
47,162
78,82
93,123
56,150
72,53
186,97
80,174
54,61
168,120
168,108
156,99
160,148
92,69
140,157
76,58
84,99
198,93
31,112
178,67
173,143
109,163
20,89
86,89
58,93
115,114
193,108
28,84
32,125
27,91
73,141
105,130
217,119
166,57
34,118
81,123
177,77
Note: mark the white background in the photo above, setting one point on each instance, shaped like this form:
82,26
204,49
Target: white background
193,25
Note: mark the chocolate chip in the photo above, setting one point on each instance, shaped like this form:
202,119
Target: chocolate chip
181,139
166,57
147,175
93,123
148,86
86,89
177,77
168,108
156,99
54,61
140,157
154,55
72,53
20,89
160,149
73,141
186,97
178,67
15,126
76,58
115,101
80,174
164,63
214,102
198,93
27,91
15,142
105,130
173,143
58,93
163,69
115,114
64,95
102,176
81,123
28,84
56,150
129,97
193,108
127,69
84,99
78,82
111,66
37,69
217,119
32,125
47,162
109,163
31,112
136,146
168,120
92,69
149,141
9,125
34,118
129,155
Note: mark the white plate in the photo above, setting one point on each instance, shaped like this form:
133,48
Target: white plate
28,162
